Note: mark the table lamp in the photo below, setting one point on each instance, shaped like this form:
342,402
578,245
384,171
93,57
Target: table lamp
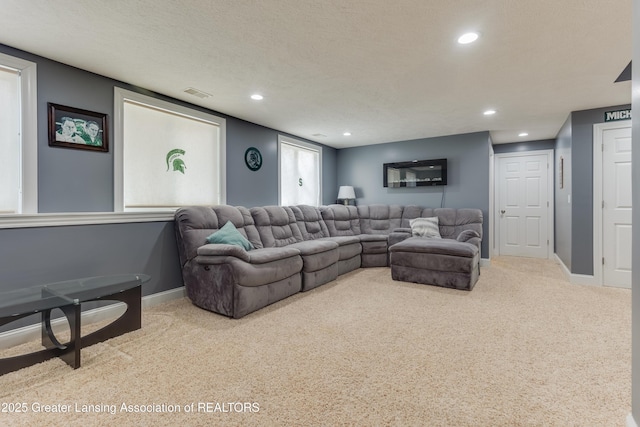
346,193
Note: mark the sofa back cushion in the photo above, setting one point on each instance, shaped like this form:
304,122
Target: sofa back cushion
310,222
379,219
410,212
276,225
341,220
195,223
454,221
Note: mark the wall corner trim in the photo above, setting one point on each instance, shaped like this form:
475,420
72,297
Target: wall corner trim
84,218
576,279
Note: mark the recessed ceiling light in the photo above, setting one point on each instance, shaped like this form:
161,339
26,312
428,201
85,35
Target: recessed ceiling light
347,134
468,38
489,112
523,134
256,97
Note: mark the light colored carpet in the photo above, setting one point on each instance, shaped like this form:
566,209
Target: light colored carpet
525,347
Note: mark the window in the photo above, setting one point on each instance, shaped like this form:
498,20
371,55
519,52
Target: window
166,155
18,136
300,166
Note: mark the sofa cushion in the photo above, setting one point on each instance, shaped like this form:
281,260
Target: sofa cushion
276,225
348,246
379,219
311,247
259,274
310,222
453,221
230,235
195,223
317,255
436,246
410,212
425,227
341,220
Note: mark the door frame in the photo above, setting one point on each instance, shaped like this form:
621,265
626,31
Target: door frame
550,196
598,250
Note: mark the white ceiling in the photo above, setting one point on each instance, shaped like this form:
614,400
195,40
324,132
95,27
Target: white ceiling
382,70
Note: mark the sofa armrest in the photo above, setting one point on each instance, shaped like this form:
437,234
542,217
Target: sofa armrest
217,253
470,236
219,249
467,235
398,235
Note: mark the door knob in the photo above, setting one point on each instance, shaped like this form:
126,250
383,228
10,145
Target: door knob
503,212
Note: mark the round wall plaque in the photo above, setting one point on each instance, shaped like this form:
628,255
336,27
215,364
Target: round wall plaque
253,158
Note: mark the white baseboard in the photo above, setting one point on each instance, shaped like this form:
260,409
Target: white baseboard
576,279
485,262
32,332
164,296
630,421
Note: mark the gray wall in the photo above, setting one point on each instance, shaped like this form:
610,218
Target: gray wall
260,188
82,181
467,173
635,280
33,256
72,180
563,217
582,186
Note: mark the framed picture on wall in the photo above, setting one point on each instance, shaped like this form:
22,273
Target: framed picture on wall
75,128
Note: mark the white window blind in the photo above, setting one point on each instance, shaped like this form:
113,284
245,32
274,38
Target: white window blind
10,141
300,166
171,157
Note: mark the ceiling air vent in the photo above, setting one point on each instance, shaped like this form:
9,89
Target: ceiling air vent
195,92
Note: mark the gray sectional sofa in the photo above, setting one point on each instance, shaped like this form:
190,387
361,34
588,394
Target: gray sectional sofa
298,248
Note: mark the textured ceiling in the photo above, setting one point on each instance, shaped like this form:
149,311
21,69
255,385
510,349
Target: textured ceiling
382,70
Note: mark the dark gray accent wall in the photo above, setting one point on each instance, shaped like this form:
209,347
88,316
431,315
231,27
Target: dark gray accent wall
467,173
260,188
82,181
562,215
582,186
574,218
635,278
73,180
39,255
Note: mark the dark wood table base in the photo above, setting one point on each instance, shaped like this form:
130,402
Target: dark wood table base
130,320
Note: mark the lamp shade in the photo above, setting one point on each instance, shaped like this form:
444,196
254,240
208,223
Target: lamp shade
346,192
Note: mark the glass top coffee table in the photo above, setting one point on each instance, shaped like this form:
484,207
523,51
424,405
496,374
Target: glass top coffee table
68,296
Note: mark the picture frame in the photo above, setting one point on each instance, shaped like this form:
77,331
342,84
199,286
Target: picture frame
253,158
71,127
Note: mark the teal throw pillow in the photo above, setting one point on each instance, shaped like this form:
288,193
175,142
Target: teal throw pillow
230,235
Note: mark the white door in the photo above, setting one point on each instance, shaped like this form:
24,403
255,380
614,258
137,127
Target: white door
616,207
523,206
